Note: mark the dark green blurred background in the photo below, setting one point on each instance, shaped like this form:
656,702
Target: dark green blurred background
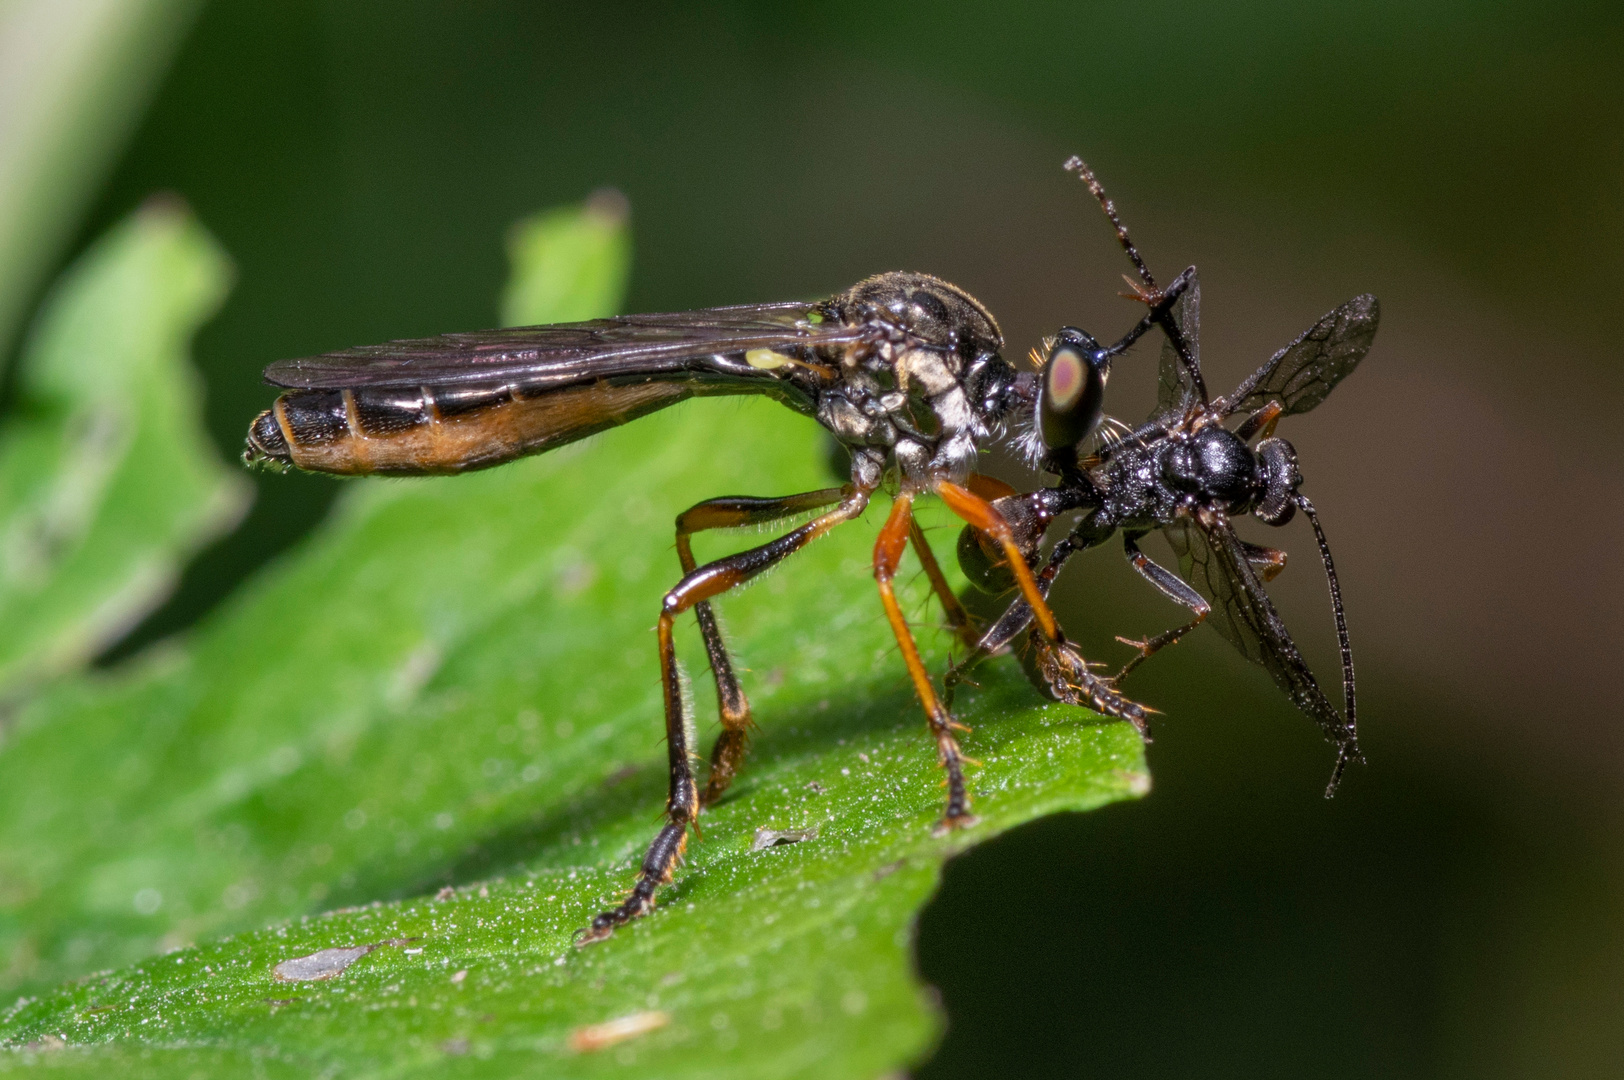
1459,909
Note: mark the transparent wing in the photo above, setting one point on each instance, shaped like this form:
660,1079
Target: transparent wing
1176,388
568,353
1214,560
1301,375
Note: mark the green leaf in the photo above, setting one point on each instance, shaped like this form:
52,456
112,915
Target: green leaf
108,481
444,711
74,80
570,264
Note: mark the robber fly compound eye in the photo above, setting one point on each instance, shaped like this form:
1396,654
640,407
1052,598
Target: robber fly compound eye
1071,395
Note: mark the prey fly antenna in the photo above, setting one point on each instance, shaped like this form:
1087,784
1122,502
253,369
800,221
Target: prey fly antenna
1080,167
1349,750
1150,293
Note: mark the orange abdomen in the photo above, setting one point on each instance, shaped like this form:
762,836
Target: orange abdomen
427,430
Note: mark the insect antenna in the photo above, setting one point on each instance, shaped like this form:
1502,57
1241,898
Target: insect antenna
1348,749
1080,167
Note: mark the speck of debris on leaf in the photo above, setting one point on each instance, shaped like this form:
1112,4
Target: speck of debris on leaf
598,1036
766,838
445,893
326,963
881,872
454,1047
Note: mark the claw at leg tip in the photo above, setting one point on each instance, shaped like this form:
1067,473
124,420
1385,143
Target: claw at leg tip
590,936
948,824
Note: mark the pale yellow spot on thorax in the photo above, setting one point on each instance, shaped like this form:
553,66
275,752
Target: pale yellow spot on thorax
766,359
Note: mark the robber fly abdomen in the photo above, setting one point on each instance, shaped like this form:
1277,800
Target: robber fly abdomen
905,364
441,430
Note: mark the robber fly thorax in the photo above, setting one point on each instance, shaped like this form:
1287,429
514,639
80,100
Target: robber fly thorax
903,369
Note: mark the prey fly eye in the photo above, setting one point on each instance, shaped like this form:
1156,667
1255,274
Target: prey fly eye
1071,397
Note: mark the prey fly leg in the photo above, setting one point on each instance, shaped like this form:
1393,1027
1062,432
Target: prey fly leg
1175,589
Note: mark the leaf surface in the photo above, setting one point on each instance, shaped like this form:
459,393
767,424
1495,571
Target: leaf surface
441,716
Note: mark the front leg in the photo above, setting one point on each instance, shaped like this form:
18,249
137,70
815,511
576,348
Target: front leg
888,550
1016,620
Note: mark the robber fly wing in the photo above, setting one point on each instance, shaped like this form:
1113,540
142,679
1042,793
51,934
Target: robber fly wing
1301,375
694,344
1176,387
1213,559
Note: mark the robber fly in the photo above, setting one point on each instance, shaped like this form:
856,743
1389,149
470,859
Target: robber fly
1188,474
904,369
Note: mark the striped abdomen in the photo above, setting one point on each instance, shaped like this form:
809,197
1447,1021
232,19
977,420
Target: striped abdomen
440,430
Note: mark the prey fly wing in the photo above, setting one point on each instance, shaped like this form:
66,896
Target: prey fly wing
1302,374
1177,386
1214,560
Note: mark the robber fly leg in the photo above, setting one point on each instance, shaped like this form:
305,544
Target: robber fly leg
963,623
1071,679
1015,620
729,513
682,803
1175,589
957,617
985,516
888,550
1067,675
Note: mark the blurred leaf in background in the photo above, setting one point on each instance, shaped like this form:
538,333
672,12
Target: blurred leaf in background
570,263
451,680
108,481
75,77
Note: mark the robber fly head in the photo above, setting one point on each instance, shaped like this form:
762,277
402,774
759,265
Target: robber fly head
1071,389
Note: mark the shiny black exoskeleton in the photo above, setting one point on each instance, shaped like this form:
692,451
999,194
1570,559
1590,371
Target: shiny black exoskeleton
1145,483
1186,473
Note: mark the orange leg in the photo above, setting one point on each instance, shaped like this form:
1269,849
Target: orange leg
1261,422
888,550
682,802
957,617
984,516
989,487
728,513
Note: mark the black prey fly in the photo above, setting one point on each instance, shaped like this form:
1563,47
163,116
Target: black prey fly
1188,473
